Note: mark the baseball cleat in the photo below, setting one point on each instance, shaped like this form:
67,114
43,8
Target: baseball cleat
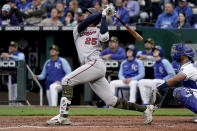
148,114
58,120
195,119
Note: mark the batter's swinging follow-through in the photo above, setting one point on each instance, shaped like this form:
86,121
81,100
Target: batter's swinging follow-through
89,40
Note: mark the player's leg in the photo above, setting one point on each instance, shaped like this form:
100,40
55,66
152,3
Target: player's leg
48,93
102,88
84,73
186,96
133,91
115,84
14,93
55,88
145,87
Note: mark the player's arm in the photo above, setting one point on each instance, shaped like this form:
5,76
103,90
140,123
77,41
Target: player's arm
169,69
88,21
20,56
104,34
141,71
119,54
66,67
120,73
43,74
172,81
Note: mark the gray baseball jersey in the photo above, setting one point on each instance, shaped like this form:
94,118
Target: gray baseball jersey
89,42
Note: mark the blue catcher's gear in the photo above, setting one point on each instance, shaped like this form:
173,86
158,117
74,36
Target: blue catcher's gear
161,54
187,97
133,48
181,49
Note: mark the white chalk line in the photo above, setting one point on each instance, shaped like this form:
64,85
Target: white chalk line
76,126
62,126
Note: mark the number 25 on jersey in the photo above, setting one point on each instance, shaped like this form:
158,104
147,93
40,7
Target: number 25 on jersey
92,41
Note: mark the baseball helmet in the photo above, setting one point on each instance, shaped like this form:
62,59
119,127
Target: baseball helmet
92,11
161,51
181,49
133,48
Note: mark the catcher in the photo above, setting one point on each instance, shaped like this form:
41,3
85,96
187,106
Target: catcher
186,95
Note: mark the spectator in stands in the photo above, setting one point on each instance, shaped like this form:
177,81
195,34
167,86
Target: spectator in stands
194,21
122,13
163,71
134,10
49,5
145,8
113,51
61,13
69,19
168,18
15,11
182,23
23,5
84,3
35,14
6,18
53,20
79,17
146,56
184,7
104,3
74,6
54,70
131,70
97,5
2,2
13,54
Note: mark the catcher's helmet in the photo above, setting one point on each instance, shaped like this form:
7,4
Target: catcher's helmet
181,49
161,51
133,48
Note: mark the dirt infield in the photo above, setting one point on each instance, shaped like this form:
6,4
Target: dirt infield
98,123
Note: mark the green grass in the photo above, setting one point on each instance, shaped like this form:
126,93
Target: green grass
45,111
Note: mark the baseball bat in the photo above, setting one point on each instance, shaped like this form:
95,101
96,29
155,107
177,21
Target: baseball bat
131,31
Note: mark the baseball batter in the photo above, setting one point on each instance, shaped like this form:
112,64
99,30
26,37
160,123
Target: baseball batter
187,94
88,41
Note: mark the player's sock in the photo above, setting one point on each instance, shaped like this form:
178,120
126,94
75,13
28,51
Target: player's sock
64,107
67,94
124,104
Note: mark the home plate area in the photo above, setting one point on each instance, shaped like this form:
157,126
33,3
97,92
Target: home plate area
98,123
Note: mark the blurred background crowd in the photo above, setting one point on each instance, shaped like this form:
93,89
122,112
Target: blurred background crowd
158,13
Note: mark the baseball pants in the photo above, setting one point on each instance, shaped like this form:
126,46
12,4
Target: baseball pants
133,88
94,73
52,94
13,91
146,86
186,96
